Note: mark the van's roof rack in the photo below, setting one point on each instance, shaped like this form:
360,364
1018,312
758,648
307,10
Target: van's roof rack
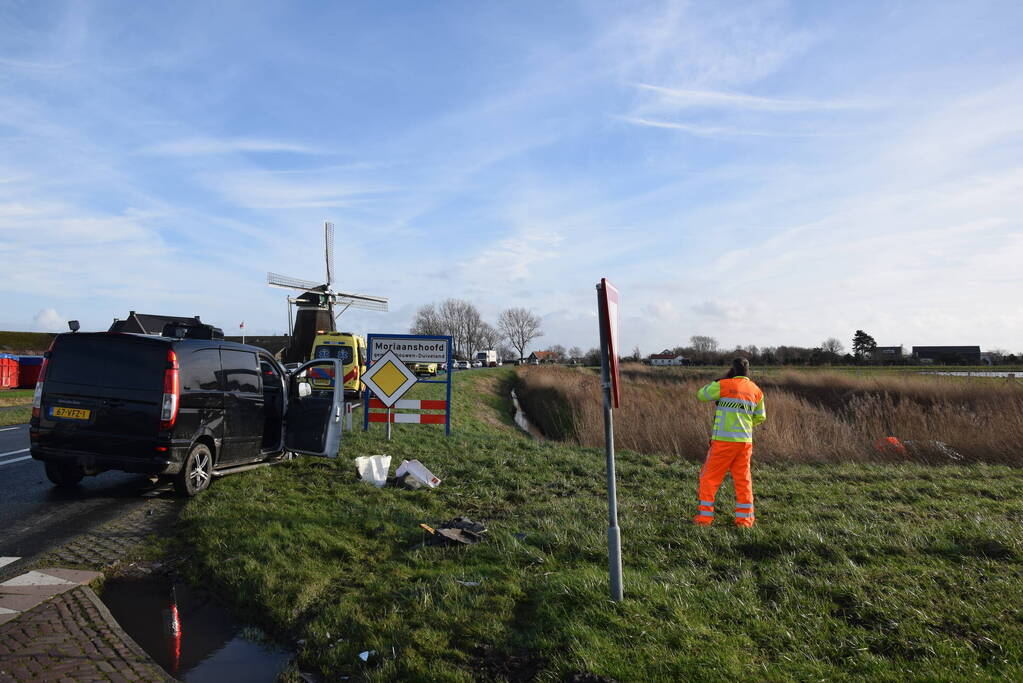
192,330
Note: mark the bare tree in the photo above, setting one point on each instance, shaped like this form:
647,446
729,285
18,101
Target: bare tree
558,353
505,352
575,352
703,344
473,325
459,318
833,346
427,321
519,326
489,336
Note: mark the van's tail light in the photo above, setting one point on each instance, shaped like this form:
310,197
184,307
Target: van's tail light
171,392
37,397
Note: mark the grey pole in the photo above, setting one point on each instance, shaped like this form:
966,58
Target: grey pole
614,536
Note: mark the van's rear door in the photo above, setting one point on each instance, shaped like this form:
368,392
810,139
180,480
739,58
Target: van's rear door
313,421
102,394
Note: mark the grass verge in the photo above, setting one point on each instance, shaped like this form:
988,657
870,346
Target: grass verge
15,397
855,570
15,415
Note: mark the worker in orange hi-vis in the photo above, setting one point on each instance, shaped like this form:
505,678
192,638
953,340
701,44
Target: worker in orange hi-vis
740,407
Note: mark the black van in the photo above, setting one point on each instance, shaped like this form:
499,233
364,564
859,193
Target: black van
176,406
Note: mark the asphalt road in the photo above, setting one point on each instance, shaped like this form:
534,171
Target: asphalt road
35,516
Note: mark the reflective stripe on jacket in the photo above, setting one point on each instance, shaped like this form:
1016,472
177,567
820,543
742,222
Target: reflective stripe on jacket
740,407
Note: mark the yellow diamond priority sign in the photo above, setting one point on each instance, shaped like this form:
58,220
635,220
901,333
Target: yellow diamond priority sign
389,378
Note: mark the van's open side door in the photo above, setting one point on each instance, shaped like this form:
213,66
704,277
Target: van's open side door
315,401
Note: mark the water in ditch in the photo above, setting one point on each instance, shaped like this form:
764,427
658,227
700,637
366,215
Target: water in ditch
188,633
522,421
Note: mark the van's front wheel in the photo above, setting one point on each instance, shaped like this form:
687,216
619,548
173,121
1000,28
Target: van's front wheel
64,475
196,472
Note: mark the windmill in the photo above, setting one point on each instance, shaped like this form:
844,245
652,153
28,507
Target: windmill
315,307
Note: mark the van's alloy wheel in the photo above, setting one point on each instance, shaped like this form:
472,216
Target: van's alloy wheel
196,472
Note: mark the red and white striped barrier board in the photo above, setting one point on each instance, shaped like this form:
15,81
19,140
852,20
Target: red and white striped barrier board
410,404
410,418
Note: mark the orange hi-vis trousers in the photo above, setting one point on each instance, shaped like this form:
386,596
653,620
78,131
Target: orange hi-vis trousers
722,458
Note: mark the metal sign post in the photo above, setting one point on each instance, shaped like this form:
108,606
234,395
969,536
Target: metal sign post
607,305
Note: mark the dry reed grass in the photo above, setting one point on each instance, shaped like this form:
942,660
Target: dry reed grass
818,417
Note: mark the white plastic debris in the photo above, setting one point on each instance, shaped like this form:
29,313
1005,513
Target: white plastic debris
364,656
417,471
468,583
373,468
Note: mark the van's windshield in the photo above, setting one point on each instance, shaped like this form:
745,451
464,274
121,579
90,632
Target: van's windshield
341,352
116,362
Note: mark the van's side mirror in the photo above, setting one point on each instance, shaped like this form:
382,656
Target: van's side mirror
73,325
304,389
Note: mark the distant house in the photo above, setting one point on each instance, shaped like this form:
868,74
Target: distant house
667,359
146,323
947,354
883,353
538,357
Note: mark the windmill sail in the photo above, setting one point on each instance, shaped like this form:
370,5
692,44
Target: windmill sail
363,301
328,241
316,307
286,282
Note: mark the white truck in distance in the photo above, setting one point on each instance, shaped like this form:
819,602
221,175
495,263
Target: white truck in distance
488,358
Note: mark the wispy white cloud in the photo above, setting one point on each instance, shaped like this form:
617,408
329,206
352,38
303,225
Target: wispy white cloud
709,131
511,260
256,189
32,66
682,98
200,146
832,198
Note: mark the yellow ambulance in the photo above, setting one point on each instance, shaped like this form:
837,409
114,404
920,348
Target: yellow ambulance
350,349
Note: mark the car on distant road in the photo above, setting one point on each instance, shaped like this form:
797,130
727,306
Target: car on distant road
424,369
187,406
462,365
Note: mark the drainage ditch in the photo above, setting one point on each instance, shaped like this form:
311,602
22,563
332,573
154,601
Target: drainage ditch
522,421
189,633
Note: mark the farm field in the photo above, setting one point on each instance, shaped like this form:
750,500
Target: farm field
891,571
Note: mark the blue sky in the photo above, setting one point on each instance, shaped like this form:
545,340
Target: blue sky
764,172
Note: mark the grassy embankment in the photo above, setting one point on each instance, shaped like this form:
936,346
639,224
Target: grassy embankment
856,570
24,342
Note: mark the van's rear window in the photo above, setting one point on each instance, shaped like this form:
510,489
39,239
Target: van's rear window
108,362
341,352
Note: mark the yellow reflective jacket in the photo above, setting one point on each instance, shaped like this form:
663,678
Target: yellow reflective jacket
740,407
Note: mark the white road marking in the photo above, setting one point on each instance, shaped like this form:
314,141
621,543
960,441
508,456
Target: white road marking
14,460
10,429
23,450
4,561
37,579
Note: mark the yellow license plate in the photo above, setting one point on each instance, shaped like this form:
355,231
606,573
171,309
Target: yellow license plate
70,413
